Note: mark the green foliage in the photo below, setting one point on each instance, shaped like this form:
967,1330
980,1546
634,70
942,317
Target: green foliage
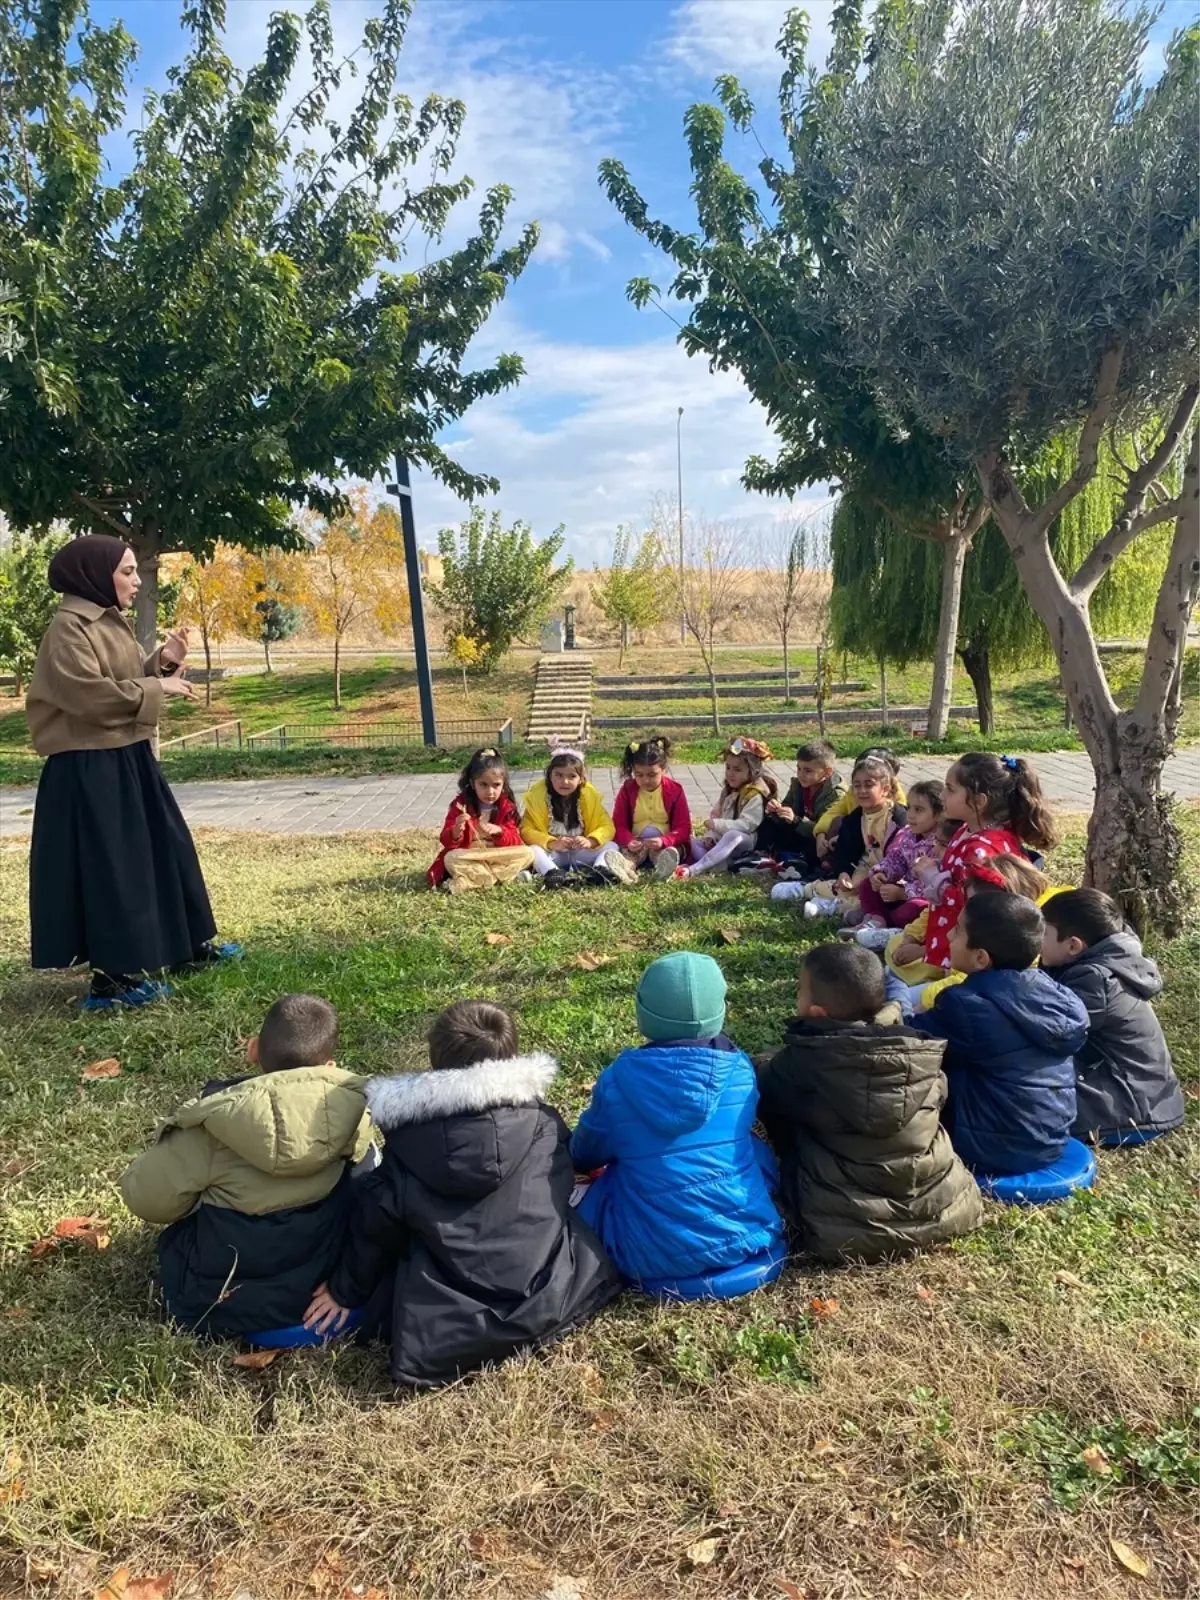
216,339
497,582
630,594
27,603
1083,1462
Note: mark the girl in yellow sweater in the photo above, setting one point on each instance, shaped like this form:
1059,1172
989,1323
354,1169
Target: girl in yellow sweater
566,825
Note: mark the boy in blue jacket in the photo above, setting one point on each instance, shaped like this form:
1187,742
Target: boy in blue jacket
1011,1035
686,1188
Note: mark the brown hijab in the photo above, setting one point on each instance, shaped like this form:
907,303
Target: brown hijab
85,568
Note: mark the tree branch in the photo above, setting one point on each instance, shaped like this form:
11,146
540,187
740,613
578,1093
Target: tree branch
1133,520
1176,598
98,510
1103,400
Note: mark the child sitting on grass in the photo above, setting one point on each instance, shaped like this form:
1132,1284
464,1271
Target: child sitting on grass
1126,1090
651,817
1011,1034
734,821
787,829
892,896
254,1179
481,836
852,1106
828,824
566,826
861,843
686,1188
463,1245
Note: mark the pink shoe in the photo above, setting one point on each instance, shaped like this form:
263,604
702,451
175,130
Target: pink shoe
682,872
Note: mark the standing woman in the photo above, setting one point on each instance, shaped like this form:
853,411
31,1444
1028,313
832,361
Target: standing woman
113,876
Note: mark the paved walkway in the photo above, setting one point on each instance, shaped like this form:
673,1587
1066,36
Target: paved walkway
351,805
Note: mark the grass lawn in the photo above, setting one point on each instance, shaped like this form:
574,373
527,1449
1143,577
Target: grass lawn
926,1437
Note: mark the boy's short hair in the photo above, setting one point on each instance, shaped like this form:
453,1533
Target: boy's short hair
471,1031
300,1030
1083,914
1018,875
817,752
846,981
1008,926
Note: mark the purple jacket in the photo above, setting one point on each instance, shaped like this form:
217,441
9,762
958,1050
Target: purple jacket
897,863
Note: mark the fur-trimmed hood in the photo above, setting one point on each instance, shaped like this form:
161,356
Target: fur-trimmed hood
459,1091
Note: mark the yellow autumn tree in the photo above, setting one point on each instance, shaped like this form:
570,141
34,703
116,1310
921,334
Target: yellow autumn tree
271,597
355,575
212,598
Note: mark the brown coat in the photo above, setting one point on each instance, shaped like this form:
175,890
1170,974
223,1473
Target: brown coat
91,687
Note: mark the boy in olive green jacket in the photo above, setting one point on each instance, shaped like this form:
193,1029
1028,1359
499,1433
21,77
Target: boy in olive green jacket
253,1178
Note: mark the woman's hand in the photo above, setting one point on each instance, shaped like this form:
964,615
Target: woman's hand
175,647
324,1315
892,893
178,686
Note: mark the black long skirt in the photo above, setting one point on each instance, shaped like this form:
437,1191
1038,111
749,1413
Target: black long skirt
114,880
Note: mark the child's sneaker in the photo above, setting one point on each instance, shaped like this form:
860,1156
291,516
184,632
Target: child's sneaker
871,937
681,872
668,861
793,889
820,907
617,866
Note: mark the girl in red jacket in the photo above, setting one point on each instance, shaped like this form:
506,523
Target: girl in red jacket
651,813
481,836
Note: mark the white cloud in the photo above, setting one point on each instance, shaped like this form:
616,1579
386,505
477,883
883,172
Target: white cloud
739,36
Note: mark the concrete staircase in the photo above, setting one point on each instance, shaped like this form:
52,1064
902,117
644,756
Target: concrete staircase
562,698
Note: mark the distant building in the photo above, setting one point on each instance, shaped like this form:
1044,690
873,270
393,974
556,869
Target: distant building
432,567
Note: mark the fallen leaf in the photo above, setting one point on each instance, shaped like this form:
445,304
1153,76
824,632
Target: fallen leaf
110,1067
590,1377
729,935
1129,1559
589,961
1095,1460
12,1461
13,1490
254,1360
1069,1279
905,1571
150,1588
1076,1563
496,938
116,1586
43,1571
793,1591
84,1230
603,1421
925,1294
822,1447
824,1307
702,1552
727,1510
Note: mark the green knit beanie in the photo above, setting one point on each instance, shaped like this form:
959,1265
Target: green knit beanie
681,996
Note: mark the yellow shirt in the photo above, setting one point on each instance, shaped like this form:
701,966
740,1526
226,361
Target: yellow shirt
844,805
650,811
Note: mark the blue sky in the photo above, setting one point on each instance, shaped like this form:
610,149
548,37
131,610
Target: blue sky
551,87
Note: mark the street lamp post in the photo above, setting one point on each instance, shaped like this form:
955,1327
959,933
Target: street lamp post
402,489
679,497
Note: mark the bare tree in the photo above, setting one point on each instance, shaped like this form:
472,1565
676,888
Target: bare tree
708,585
794,555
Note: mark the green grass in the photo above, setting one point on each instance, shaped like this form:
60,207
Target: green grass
922,1440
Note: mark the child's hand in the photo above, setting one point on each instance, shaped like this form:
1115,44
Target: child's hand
324,1315
823,845
907,951
877,881
784,813
460,826
637,848
845,883
892,893
652,847
924,864
489,830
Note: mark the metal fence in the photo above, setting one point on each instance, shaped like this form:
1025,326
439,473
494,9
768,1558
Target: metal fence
453,735
224,736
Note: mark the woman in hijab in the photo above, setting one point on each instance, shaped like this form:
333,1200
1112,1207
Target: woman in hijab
113,877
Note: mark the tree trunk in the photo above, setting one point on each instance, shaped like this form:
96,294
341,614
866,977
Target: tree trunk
821,690
624,645
1134,846
337,670
207,666
976,658
266,644
711,668
146,547
787,665
883,690
954,560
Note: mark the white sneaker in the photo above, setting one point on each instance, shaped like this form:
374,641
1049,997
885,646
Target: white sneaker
621,868
817,907
789,891
668,860
873,938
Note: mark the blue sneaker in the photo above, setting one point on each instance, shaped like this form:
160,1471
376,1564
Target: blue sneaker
140,994
208,955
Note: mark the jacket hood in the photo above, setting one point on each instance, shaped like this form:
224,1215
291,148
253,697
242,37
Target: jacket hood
1046,1013
462,1131
289,1124
675,1087
1121,955
875,1075
459,1091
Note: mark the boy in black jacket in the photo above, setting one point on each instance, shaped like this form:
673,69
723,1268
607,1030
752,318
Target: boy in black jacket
463,1245
1126,1090
787,828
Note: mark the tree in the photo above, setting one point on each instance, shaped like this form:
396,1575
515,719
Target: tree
707,581
464,652
271,604
794,555
497,582
211,599
1020,214
199,348
356,574
630,594
27,603
759,280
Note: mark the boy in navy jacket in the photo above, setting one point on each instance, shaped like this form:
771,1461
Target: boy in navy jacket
1011,1035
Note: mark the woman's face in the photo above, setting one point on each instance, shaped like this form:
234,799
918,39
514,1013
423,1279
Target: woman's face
956,799
870,790
489,786
920,814
565,780
737,773
126,581
648,778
